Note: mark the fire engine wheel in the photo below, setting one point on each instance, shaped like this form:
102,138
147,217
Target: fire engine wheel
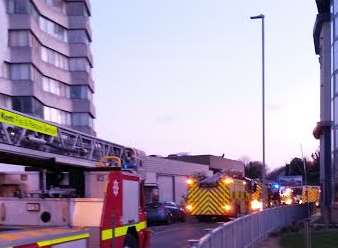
130,241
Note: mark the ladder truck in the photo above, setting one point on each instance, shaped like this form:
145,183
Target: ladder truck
77,191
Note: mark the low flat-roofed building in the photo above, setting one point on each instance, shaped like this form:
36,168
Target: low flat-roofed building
214,162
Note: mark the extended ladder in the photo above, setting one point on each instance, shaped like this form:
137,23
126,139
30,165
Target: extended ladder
26,136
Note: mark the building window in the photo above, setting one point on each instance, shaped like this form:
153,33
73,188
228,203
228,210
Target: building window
4,70
51,57
79,64
19,38
55,87
80,92
77,9
56,115
58,5
82,119
78,36
18,7
48,26
5,101
27,105
53,29
20,71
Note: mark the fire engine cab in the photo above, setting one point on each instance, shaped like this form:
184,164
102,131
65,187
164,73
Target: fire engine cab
96,208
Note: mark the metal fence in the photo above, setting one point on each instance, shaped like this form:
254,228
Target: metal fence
246,231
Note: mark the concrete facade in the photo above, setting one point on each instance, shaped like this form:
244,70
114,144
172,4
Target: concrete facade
46,62
326,46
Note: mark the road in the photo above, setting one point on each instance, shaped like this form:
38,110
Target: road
178,234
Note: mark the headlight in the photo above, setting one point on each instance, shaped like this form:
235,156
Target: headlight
227,208
288,191
190,181
256,205
228,180
188,208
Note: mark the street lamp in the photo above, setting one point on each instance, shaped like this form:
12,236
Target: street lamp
262,17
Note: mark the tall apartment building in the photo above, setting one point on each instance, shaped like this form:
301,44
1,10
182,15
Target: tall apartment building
46,62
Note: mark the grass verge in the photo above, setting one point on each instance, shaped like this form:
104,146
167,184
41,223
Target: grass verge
319,239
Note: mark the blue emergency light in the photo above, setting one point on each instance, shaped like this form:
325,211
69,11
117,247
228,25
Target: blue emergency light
275,186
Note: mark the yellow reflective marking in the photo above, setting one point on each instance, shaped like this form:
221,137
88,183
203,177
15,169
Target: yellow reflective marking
62,240
14,119
122,230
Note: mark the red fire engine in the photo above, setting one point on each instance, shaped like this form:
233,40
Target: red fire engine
111,213
62,199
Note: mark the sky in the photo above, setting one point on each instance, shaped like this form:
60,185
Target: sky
185,76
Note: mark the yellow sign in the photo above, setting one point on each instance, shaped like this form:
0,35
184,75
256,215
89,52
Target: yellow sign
13,119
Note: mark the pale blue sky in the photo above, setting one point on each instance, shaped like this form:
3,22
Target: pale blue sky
184,76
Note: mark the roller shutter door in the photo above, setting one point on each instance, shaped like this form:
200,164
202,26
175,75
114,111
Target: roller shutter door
166,188
180,188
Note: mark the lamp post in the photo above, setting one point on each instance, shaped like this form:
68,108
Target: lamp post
262,17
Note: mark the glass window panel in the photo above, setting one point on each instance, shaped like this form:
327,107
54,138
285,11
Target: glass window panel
53,28
79,64
5,101
80,92
54,58
56,115
55,87
20,72
335,54
44,54
28,105
19,38
335,109
21,7
10,6
82,119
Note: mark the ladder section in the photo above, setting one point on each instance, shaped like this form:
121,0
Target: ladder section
22,131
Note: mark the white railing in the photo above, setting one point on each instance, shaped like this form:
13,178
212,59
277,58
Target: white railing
246,231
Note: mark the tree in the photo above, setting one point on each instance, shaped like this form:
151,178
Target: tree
254,169
296,168
276,173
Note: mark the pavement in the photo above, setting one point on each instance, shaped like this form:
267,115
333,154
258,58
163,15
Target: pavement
177,235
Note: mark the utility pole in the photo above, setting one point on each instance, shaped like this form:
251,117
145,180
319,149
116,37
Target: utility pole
262,18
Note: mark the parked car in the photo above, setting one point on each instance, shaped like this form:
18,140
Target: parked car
177,212
164,212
